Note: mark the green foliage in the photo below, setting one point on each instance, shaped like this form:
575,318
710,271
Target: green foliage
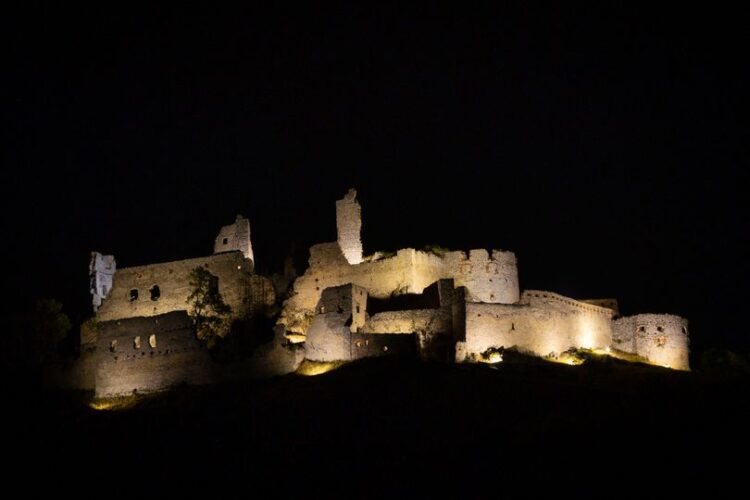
436,249
378,256
208,310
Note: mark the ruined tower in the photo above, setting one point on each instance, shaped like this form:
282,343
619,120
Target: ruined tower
101,271
349,226
235,237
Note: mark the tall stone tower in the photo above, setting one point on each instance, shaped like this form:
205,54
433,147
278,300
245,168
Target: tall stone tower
235,237
349,227
101,271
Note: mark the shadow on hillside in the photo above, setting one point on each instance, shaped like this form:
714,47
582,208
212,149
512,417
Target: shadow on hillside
398,421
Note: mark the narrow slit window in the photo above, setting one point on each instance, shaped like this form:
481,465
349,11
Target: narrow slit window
155,292
152,341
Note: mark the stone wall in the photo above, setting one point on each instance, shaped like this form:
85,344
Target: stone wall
609,303
544,323
660,338
490,279
101,271
161,288
236,237
349,299
487,278
149,354
349,227
336,331
417,320
330,339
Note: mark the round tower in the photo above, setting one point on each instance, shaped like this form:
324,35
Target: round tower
660,338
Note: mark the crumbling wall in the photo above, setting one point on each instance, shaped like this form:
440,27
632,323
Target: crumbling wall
416,320
660,338
433,327
329,338
236,237
349,227
149,354
609,303
544,323
161,288
409,271
328,268
101,272
339,312
492,279
335,333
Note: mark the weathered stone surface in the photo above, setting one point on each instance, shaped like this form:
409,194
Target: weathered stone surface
334,334
469,303
246,293
149,354
544,323
660,338
236,237
101,272
349,227
486,279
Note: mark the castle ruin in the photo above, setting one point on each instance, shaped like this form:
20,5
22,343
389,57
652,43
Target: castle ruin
449,306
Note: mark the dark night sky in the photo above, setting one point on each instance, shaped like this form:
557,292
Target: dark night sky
607,148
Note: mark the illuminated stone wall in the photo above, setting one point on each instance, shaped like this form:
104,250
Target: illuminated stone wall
125,364
236,237
349,227
433,327
487,278
335,333
339,312
491,279
246,293
101,270
660,338
543,323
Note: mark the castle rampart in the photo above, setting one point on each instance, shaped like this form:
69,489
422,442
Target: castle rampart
156,289
544,323
443,305
149,354
334,334
409,271
662,339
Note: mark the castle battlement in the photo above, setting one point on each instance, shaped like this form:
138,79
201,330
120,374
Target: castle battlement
445,305
536,297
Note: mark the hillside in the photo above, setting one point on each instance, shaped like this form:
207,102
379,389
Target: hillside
397,423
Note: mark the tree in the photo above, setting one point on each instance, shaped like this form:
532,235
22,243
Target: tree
208,310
